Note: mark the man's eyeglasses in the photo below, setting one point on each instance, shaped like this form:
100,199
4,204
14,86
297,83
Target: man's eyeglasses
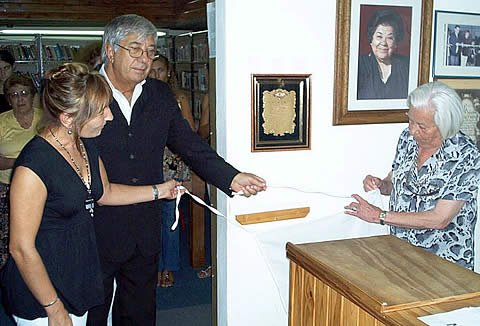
416,189
138,52
16,95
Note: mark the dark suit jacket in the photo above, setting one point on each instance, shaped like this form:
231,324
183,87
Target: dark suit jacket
133,154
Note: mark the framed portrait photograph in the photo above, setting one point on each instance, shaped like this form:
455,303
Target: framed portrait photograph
456,51
382,53
280,112
469,92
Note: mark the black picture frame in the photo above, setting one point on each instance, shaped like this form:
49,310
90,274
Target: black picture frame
294,88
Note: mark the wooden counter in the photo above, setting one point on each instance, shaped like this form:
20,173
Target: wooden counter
374,281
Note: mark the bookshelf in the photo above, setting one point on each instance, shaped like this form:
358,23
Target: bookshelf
191,67
35,54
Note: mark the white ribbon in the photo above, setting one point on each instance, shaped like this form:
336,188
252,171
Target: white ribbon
240,193
196,198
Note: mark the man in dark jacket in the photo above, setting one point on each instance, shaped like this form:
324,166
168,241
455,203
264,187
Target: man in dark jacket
146,119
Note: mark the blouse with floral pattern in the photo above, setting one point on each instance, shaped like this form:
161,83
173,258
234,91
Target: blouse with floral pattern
173,166
452,173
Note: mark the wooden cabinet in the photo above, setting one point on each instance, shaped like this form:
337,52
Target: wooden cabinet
374,281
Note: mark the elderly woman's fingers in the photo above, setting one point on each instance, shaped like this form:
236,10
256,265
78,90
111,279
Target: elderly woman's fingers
371,183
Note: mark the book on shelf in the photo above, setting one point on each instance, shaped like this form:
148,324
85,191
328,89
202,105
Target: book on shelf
183,53
37,81
200,52
185,79
166,48
200,79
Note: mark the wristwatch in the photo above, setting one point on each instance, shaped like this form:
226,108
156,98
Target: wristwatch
155,192
382,216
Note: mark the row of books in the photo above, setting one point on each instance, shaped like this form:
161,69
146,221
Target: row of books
165,47
200,52
184,79
21,52
183,53
197,80
29,52
59,52
200,79
169,53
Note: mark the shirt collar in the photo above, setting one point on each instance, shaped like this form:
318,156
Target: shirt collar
104,73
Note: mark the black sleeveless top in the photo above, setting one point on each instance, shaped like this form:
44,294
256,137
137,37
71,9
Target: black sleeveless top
66,237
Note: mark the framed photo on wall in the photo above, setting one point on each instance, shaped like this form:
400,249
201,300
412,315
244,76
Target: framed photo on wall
456,51
382,53
469,92
280,112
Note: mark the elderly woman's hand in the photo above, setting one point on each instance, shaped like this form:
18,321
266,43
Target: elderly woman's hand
363,210
371,183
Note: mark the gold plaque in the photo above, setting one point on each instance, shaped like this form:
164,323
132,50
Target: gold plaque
279,112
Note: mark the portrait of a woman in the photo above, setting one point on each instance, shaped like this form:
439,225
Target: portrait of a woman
383,73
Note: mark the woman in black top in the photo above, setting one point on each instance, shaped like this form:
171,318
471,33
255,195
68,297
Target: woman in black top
55,271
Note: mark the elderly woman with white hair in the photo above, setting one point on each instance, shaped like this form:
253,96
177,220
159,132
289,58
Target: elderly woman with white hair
433,183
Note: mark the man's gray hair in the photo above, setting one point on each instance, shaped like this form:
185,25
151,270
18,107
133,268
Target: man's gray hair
446,103
121,26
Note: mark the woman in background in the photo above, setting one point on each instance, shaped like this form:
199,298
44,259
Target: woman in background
17,127
55,277
173,168
7,63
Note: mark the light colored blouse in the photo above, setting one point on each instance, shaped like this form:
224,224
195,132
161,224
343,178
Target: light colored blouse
13,137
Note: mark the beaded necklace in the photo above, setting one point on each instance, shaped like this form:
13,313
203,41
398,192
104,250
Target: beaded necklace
89,202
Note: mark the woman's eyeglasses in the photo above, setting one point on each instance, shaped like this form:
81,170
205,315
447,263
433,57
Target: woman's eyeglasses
16,95
417,189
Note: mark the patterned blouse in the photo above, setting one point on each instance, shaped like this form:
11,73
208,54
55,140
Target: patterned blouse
173,166
452,173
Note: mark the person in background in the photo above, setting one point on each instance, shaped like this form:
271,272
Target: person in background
468,51
454,47
17,127
173,168
383,74
7,65
146,119
54,277
433,184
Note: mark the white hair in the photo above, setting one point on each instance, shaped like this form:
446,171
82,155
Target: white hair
444,101
121,26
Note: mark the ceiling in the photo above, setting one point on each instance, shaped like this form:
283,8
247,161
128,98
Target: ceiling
169,14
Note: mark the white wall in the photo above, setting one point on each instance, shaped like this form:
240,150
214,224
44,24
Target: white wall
281,36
